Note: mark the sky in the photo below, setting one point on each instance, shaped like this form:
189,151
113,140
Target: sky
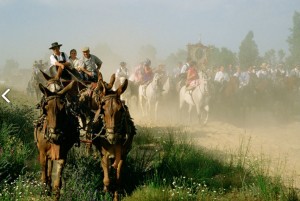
28,27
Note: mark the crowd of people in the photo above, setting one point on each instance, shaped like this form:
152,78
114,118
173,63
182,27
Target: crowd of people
88,67
220,75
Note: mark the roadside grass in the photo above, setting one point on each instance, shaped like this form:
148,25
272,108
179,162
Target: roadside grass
16,141
164,164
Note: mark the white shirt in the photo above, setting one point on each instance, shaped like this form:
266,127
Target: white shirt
221,76
184,68
76,63
59,58
295,72
262,74
244,78
122,72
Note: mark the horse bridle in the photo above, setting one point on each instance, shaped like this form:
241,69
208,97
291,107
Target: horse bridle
52,134
57,85
111,135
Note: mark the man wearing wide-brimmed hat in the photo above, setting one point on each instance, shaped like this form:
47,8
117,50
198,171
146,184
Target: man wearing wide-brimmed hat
60,61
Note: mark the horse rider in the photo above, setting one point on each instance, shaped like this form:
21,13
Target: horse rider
192,79
220,78
184,69
122,72
295,71
90,66
186,66
263,73
35,68
144,75
242,76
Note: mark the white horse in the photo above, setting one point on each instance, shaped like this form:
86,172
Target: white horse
149,96
199,98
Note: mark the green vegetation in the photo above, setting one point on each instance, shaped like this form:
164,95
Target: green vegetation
248,54
16,141
162,165
294,41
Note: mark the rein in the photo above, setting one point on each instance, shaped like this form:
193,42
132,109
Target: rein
121,132
42,123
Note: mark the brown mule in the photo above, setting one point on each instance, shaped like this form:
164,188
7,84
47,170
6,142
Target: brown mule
55,133
116,136
88,103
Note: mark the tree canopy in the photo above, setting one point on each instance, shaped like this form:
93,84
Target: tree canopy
248,54
294,40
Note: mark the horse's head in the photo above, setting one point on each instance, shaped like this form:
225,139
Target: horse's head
113,113
52,84
157,79
54,110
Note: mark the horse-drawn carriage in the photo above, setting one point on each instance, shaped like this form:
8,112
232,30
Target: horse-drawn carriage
57,129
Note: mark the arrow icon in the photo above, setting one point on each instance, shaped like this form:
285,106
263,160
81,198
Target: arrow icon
3,95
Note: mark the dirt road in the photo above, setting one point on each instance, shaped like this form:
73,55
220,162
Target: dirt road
270,138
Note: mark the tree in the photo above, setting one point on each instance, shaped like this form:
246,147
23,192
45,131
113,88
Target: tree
248,54
227,57
213,57
294,40
280,55
270,57
223,56
173,59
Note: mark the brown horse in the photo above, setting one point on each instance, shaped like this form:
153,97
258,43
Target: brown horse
55,133
115,137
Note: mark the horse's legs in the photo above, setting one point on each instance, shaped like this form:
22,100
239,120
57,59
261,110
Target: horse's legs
46,180
155,111
43,162
49,174
206,110
118,180
105,167
148,109
180,110
58,181
198,110
142,105
190,113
